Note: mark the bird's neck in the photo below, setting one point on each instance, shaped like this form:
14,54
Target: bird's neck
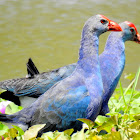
115,43
88,54
89,45
89,69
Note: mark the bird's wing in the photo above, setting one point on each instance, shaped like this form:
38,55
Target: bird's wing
37,85
59,107
62,104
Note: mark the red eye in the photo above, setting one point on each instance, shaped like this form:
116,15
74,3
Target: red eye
132,30
103,21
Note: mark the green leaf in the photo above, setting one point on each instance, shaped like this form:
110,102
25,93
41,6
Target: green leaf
79,135
12,132
1,100
2,90
122,93
137,117
21,132
133,88
61,136
33,131
137,136
127,98
101,119
137,95
94,138
113,120
135,110
130,76
68,131
56,136
88,122
117,96
112,136
135,125
3,129
12,108
48,136
39,139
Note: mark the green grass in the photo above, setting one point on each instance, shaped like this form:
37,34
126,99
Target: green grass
123,123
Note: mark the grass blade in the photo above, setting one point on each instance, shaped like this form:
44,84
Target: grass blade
121,90
130,85
133,89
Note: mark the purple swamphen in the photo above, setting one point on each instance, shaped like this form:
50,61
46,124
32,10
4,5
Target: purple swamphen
112,62
77,96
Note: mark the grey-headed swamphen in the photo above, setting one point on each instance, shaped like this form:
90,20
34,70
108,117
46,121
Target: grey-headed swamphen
77,96
112,60
111,64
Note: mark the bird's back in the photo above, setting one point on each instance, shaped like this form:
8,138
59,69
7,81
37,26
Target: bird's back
37,85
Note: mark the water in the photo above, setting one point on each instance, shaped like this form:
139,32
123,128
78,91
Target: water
49,32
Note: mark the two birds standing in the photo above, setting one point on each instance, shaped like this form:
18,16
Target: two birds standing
80,95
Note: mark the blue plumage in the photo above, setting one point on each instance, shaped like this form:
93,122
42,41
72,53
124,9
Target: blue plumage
112,62
77,96
112,65
38,83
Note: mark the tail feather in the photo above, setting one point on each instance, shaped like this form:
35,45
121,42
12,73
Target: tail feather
31,68
3,117
10,122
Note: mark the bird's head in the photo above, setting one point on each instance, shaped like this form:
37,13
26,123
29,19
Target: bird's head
130,32
100,24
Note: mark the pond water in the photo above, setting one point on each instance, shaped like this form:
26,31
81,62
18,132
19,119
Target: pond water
49,32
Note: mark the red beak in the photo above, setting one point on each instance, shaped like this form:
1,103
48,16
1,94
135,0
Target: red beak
137,38
113,26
